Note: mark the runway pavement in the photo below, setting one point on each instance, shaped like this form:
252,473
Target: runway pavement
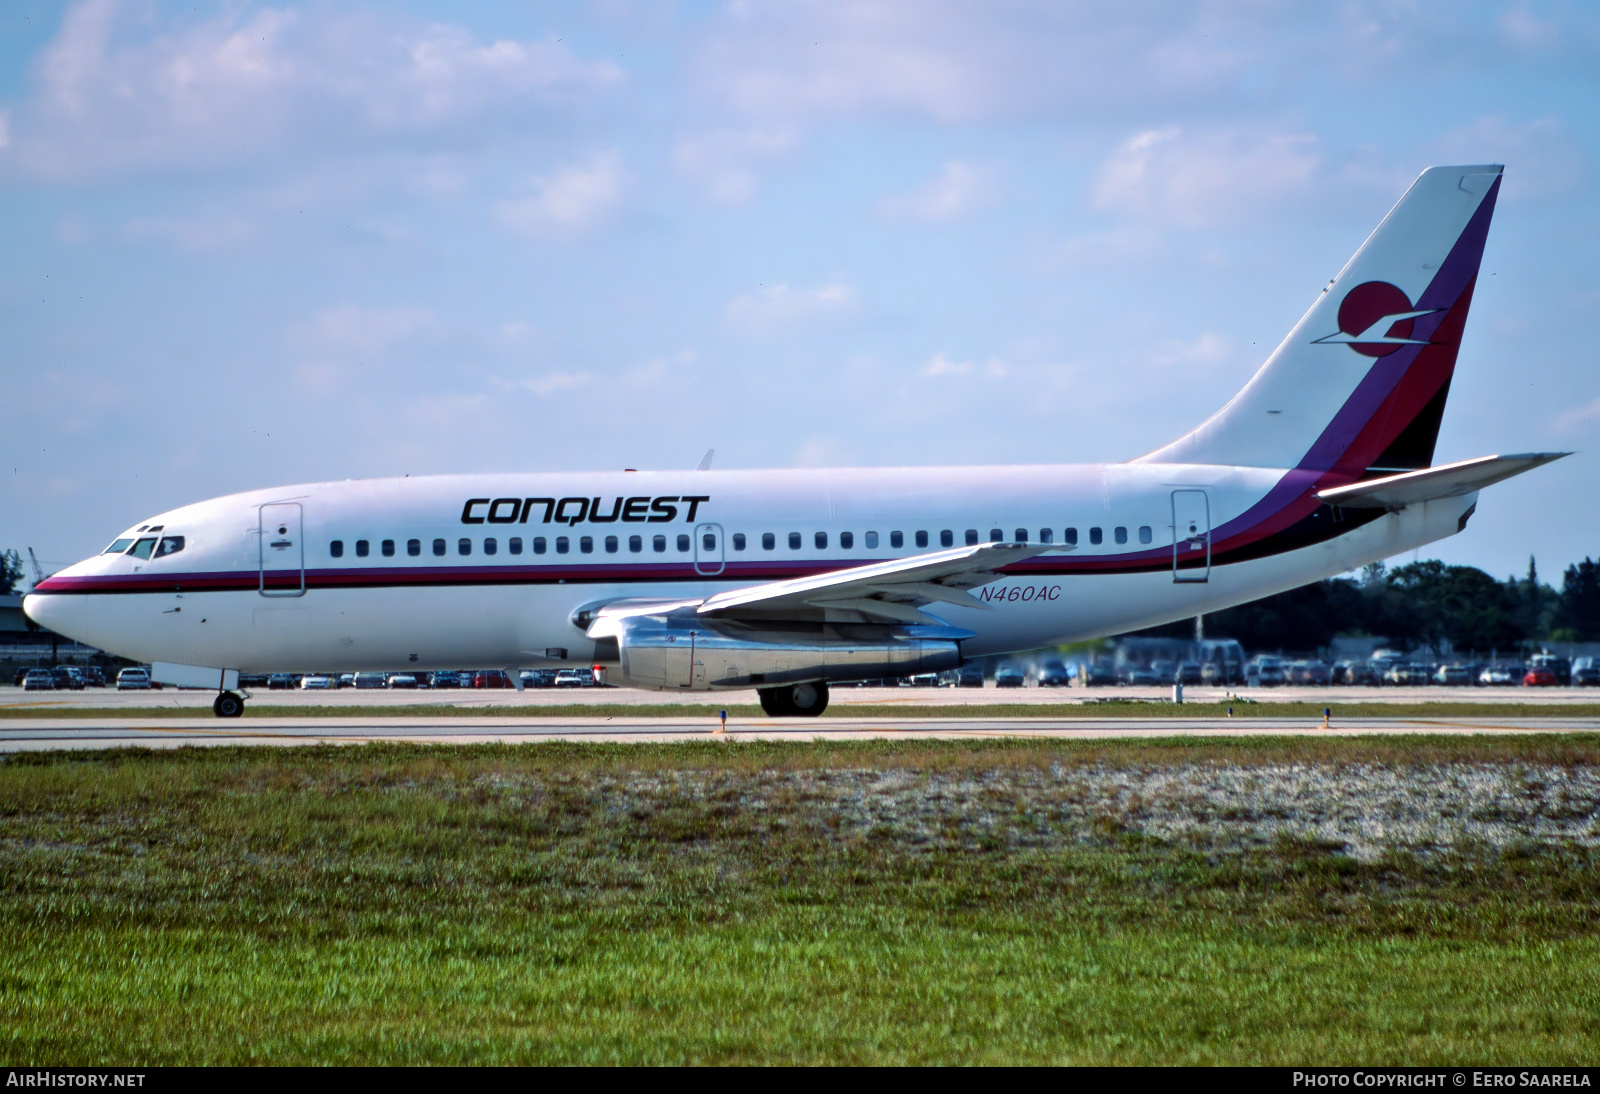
92,732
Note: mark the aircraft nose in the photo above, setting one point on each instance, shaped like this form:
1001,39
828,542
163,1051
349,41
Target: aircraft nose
64,613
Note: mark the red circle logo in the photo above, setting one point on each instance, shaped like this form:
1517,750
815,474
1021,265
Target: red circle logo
1364,307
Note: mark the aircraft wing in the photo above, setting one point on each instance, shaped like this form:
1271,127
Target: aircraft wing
883,592
1449,480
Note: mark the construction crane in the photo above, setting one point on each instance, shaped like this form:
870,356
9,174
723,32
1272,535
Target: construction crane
38,574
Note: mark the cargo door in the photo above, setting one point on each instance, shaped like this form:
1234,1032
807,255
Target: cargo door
282,547
1191,536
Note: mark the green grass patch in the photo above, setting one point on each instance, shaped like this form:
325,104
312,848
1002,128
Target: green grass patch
842,707
872,902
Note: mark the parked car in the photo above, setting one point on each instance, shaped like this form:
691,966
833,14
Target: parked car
252,679
1539,676
39,680
67,678
1351,673
1309,673
448,678
1499,675
1267,671
133,679
1165,672
1455,676
1221,673
1402,674
402,680
316,683
371,680
967,676
281,681
1585,673
1134,676
1053,674
1098,674
93,677
923,680
1188,673
573,678
1008,676
1559,667
496,678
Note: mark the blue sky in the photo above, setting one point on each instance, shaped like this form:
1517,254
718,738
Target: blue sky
245,245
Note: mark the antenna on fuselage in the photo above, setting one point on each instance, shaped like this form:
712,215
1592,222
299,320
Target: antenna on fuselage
705,462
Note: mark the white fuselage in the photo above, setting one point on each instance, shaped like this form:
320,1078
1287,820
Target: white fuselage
257,586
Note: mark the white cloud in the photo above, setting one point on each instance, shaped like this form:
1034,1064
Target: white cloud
940,365
363,330
957,63
1202,180
193,233
957,190
1579,416
780,306
109,94
567,203
1205,350
728,163
550,383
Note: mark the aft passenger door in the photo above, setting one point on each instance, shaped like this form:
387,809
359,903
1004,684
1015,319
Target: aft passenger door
708,548
282,550
1191,536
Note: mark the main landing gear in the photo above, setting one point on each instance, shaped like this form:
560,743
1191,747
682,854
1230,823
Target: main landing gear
228,705
795,700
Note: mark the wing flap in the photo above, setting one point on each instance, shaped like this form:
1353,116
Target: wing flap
882,591
1450,480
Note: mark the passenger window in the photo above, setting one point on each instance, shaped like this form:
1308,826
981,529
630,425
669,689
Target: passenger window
563,545
1145,535
463,547
538,545
414,547
972,537
872,540
922,539
738,541
635,544
363,548
169,545
611,545
121,545
336,548
947,538
1121,534
1095,536
897,540
794,541
142,548
708,542
586,544
847,540
438,547
514,545
388,548
768,541
1072,537
683,543
1022,535
822,541
659,544
996,536
1047,535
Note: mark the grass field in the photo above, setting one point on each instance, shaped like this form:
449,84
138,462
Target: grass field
1358,900
844,709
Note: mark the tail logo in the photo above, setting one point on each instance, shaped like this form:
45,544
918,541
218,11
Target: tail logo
1375,319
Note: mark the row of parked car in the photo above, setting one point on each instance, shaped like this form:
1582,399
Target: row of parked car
1387,669
78,677
444,678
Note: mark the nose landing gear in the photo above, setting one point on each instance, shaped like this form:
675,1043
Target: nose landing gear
228,705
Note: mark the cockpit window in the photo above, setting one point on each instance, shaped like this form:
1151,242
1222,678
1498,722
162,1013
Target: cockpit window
117,547
143,548
169,545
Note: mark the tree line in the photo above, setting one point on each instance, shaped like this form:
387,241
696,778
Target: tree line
1419,605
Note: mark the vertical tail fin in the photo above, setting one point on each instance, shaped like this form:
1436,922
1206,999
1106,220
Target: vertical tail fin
1360,383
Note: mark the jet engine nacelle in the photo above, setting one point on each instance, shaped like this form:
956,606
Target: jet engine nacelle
697,654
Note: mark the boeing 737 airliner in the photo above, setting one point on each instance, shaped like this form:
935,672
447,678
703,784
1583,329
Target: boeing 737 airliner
783,581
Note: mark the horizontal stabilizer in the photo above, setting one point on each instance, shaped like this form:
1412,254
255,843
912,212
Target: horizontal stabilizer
1450,480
